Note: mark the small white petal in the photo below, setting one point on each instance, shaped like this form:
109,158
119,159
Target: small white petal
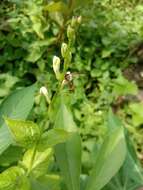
43,90
64,49
56,66
79,19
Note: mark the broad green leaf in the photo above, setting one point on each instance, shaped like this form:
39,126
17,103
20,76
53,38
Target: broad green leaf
53,137
56,7
64,119
132,168
24,133
68,154
133,171
109,160
47,182
17,105
37,162
129,177
14,179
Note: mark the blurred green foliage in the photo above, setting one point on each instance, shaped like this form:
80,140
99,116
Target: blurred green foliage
32,31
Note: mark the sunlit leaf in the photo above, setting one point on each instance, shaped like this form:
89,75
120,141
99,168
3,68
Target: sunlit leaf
37,162
37,26
56,7
124,87
135,111
24,133
14,179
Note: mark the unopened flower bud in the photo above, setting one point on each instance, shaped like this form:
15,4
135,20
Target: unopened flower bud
56,66
43,90
64,49
79,19
141,74
73,22
70,33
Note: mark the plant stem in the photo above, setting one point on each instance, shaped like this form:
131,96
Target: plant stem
33,156
70,3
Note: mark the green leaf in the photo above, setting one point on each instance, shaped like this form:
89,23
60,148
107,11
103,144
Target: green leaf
24,133
113,121
37,162
17,105
47,182
34,54
11,155
56,7
64,119
137,114
7,82
14,179
53,137
129,177
109,160
124,87
76,3
83,181
106,53
132,166
133,171
37,26
37,48
68,154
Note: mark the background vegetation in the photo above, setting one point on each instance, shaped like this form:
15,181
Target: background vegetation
107,67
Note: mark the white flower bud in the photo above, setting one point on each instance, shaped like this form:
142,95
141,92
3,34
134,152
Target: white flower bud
79,19
141,74
43,91
64,49
56,66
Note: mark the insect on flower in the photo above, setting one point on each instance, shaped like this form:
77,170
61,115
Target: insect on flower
68,80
